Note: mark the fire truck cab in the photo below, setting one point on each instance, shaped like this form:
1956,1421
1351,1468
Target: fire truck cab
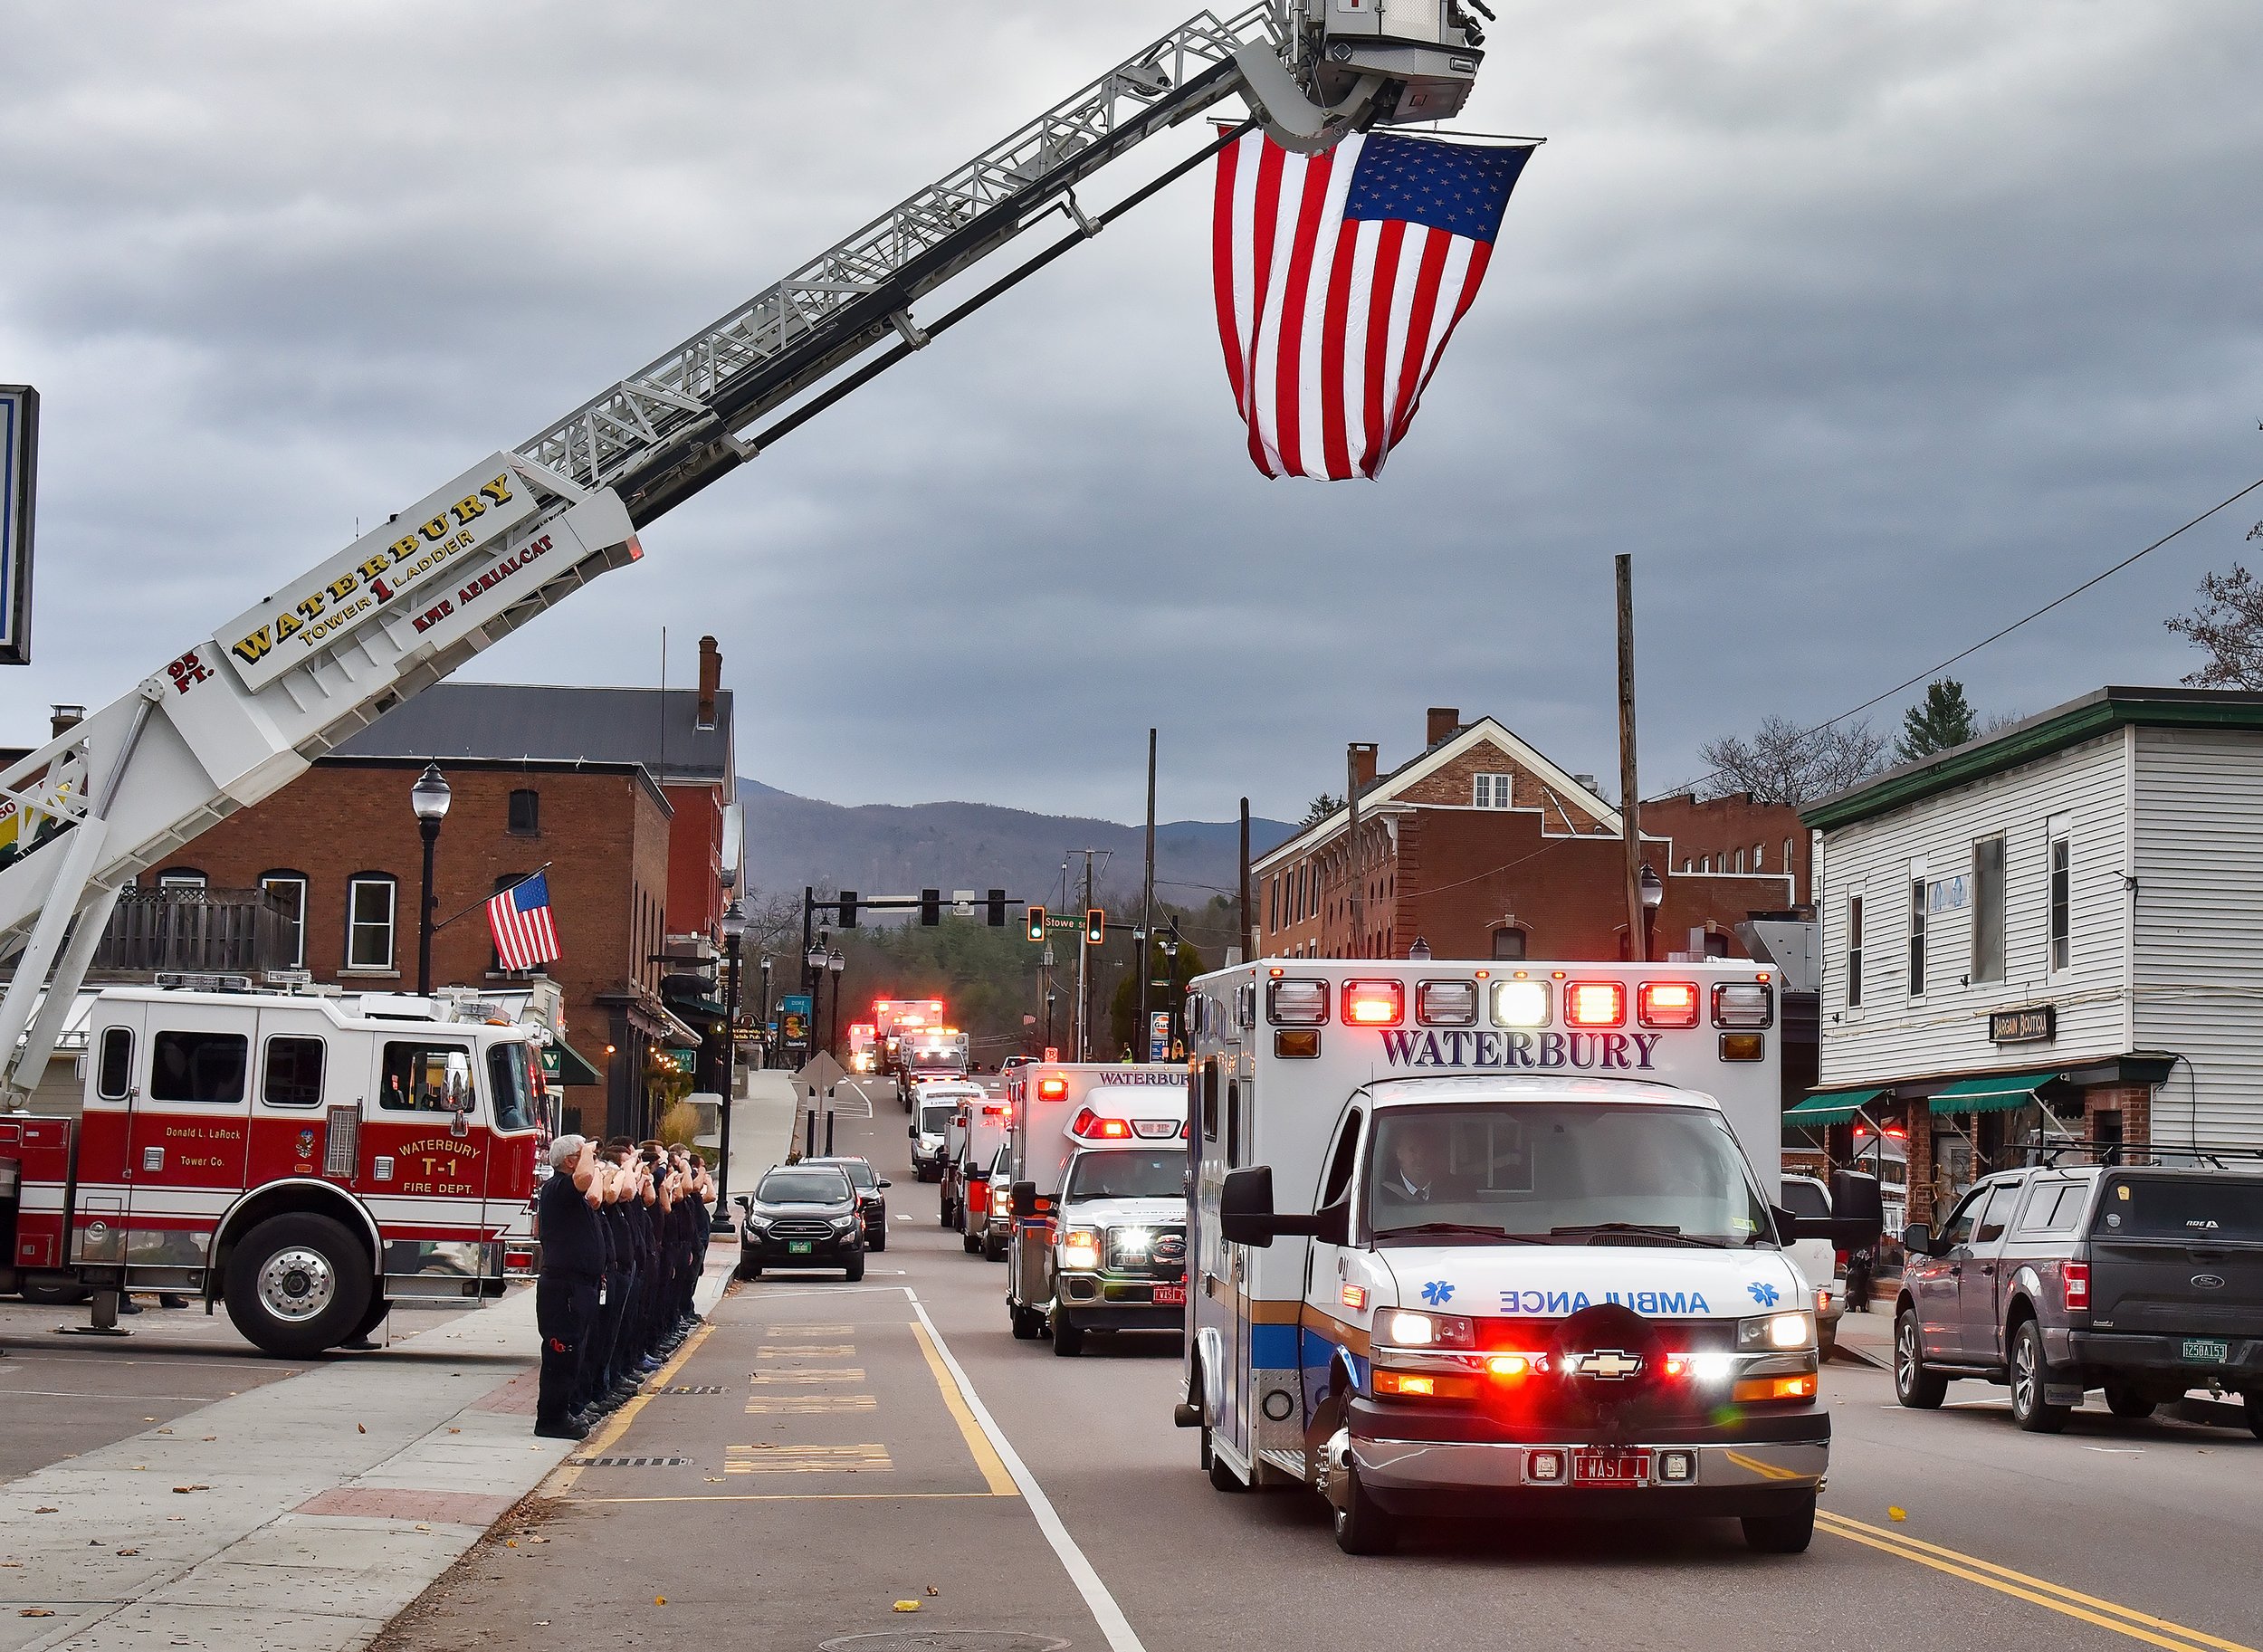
306,1158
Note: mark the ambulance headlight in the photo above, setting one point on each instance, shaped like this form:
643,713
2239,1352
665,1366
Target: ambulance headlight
1405,1329
1080,1247
1789,1331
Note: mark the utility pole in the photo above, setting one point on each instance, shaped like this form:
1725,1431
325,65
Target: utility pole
1147,901
1249,932
1630,790
1359,880
1084,969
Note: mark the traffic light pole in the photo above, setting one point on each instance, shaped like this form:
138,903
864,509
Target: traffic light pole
1084,975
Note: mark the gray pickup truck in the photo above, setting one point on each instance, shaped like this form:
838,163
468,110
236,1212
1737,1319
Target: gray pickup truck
2143,1280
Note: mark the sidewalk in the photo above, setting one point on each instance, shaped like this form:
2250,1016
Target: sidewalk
1868,1338
304,1516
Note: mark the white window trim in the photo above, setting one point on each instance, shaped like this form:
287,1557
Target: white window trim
392,887
267,881
1924,937
2056,830
1486,787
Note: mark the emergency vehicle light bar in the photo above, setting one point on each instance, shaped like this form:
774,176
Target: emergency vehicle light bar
1296,1003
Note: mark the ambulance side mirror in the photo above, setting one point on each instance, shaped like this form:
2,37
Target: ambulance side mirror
1245,1206
1022,1198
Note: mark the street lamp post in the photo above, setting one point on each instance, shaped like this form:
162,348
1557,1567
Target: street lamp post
429,797
1050,996
734,932
836,963
1170,967
813,982
1653,897
764,1020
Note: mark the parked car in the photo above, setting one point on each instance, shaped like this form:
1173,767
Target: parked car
871,1196
801,1216
1817,1259
2141,1279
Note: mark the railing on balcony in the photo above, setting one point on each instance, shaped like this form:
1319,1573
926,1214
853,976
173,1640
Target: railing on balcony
238,931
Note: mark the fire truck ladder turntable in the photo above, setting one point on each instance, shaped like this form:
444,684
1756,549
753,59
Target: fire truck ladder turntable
234,719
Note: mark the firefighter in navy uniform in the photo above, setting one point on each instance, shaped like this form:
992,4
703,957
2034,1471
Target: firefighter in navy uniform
566,1295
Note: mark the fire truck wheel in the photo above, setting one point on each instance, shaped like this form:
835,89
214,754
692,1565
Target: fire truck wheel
374,1317
297,1284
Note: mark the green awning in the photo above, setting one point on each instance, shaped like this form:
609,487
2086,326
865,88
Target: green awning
1832,1107
562,1063
690,1004
1994,1093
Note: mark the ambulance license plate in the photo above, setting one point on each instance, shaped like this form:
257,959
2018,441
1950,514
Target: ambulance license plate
800,1247
1170,1295
1610,1467
2206,1351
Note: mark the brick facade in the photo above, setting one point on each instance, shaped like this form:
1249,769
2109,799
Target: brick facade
602,828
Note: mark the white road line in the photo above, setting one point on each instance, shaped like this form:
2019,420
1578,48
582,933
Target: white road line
1102,1605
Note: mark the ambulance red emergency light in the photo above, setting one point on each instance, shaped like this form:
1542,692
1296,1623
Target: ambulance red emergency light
307,1159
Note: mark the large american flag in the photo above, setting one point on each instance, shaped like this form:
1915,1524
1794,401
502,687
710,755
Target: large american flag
519,920
1339,278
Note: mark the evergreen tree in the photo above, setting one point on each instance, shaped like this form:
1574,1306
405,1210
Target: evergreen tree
1941,719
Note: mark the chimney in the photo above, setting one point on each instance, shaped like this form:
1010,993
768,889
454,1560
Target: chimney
64,718
711,680
1363,763
1588,780
1445,722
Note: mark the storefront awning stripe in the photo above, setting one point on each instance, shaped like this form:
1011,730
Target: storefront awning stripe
1832,1107
573,1066
1992,1092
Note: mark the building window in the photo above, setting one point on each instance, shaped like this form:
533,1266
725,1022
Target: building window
526,812
1918,936
1988,910
290,889
1854,951
369,903
1492,791
1740,861
1789,864
2062,912
1757,849
180,877
1706,864
1508,943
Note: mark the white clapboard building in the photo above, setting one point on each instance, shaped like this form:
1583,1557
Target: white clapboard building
2053,932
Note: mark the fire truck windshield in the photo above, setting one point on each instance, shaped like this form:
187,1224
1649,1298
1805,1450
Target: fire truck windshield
513,1087
1572,1172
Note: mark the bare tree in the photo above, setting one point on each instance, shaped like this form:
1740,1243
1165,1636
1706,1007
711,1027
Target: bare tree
2229,627
1783,763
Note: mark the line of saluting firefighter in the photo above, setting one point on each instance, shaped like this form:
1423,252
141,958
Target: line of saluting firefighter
625,1233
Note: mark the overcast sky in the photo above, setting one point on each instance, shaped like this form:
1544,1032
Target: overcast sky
1865,328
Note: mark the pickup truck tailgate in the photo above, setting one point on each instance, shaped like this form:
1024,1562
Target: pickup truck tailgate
2178,1255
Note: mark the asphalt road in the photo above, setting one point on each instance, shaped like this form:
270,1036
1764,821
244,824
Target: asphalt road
823,1465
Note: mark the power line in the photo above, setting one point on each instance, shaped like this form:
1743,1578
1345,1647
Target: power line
1930,672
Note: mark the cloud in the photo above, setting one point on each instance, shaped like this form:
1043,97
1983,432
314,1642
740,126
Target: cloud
1864,330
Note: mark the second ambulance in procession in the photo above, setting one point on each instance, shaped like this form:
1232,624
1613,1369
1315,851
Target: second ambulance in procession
1099,1196
1525,1258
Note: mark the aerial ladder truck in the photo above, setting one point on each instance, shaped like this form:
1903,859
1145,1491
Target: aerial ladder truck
230,719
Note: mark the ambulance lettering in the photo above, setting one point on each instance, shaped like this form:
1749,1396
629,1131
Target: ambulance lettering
1578,1051
1558,1304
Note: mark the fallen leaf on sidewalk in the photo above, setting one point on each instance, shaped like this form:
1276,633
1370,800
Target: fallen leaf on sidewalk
192,1488
45,1511
35,1611
538,1540
210,1437
455,1430
129,1552
510,1543
361,1427
933,1591
1895,1515
659,1599
907,1606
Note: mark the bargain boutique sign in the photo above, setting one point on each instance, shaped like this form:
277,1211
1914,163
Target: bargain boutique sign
421,546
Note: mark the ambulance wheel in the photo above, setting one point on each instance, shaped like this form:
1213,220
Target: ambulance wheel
1362,1527
1068,1341
298,1283
942,1217
1027,1326
1915,1386
993,1249
854,1272
1205,1456
1222,1478
971,1243
1781,1533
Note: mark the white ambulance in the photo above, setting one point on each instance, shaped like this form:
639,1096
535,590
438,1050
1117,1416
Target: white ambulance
1525,1258
1098,1199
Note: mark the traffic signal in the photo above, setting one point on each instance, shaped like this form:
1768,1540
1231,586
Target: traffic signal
848,909
1037,923
931,907
1095,926
998,909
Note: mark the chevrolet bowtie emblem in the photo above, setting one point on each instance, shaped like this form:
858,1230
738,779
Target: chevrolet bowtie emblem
1611,1365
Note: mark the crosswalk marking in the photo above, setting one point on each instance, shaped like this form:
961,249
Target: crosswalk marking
808,1405
828,1350
847,1373
806,1459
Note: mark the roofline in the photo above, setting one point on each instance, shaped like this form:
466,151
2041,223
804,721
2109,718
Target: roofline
521,764
2098,712
1429,761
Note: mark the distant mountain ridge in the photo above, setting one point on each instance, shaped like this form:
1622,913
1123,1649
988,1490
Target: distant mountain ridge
882,848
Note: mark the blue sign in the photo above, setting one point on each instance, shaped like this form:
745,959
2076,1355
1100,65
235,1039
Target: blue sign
19,466
793,1017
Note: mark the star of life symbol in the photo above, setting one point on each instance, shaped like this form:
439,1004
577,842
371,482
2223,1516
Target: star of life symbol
1763,1293
1437,1292
1610,1364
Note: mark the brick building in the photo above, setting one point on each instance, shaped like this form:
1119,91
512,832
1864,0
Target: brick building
1483,848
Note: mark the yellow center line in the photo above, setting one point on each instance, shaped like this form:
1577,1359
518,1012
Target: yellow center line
2057,1598
986,1457
802,1497
562,1480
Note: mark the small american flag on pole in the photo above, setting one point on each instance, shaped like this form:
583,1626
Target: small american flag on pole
1339,277
519,920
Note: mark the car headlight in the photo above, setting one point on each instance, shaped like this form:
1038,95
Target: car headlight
1407,1329
842,1224
1080,1247
1783,1331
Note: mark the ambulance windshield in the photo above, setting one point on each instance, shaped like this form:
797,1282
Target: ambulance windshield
1566,1173
1127,1173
